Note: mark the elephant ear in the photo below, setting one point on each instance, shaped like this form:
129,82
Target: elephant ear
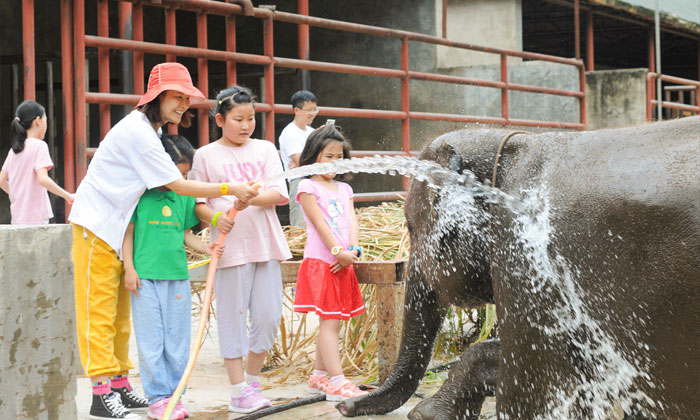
445,154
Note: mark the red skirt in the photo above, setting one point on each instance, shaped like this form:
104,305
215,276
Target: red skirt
331,296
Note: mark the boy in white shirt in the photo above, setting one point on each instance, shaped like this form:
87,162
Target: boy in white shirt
292,141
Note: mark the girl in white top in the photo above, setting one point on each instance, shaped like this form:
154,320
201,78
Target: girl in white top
130,159
24,175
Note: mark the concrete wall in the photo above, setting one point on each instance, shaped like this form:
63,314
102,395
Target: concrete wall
37,339
496,23
486,102
615,98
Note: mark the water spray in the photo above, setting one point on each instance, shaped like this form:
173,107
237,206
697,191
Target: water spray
433,174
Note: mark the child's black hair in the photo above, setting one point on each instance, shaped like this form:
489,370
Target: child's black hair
178,147
231,97
302,96
25,115
318,140
228,99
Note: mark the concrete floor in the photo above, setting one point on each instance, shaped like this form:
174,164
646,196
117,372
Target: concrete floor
208,391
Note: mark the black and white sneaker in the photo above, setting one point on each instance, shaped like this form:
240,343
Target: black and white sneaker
109,406
130,400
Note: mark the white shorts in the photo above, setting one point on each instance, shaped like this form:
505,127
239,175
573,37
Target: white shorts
253,290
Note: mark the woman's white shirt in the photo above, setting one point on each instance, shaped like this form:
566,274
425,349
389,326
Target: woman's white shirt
130,159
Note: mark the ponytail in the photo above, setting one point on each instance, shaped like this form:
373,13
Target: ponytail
25,115
18,134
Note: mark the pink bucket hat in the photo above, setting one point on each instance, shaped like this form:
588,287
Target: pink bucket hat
170,76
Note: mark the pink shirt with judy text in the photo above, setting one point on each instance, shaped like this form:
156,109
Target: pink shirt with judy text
257,235
335,207
29,201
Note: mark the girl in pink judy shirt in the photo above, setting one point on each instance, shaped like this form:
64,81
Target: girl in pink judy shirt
24,175
326,283
248,279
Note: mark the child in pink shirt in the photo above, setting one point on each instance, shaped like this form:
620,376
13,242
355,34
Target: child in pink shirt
326,282
24,175
248,278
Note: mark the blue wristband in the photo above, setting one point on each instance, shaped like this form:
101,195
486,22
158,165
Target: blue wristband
356,248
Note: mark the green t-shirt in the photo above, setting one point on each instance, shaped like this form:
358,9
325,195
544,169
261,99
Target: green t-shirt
160,221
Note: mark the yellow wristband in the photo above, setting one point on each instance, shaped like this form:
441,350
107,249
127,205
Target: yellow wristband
224,189
216,216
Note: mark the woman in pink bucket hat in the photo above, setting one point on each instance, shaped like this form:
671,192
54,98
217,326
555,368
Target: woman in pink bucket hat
129,160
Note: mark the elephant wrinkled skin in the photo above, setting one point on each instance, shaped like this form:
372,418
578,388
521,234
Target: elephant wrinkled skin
623,209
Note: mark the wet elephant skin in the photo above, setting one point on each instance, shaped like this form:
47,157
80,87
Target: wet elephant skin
625,219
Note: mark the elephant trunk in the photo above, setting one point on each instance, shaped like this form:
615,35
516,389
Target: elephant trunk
422,320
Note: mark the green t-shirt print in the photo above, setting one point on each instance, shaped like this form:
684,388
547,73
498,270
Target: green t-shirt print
160,221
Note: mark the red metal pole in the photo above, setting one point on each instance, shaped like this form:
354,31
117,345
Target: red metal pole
170,35
103,65
590,52
137,35
651,58
203,76
67,91
124,15
79,73
231,47
29,72
303,42
218,55
171,39
504,91
269,74
405,104
577,29
651,62
303,31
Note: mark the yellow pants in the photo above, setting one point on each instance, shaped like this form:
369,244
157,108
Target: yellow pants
102,306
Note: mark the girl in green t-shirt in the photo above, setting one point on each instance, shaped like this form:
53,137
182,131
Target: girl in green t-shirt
156,274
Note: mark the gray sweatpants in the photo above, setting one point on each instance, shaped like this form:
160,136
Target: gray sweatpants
253,289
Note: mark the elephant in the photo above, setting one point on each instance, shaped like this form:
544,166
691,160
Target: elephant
590,249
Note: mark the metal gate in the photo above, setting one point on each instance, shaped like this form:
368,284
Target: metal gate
673,109
75,40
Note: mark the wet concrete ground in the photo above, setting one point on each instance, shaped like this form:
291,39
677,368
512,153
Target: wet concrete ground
208,392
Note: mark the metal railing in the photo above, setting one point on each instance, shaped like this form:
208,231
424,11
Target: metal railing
652,101
104,98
